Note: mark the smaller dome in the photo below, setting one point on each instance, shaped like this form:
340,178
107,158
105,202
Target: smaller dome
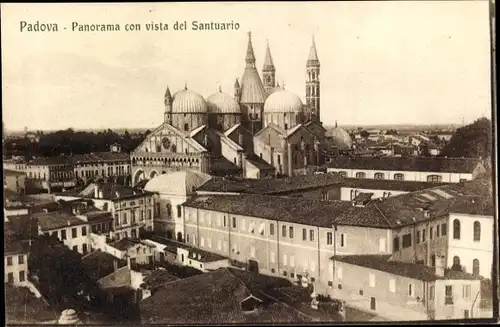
69,317
339,138
180,183
222,103
283,101
186,101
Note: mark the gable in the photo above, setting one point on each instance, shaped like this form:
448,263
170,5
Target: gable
168,139
301,133
234,134
316,128
269,136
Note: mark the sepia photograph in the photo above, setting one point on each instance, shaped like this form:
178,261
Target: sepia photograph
249,163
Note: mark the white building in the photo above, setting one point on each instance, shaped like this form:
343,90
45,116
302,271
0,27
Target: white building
15,263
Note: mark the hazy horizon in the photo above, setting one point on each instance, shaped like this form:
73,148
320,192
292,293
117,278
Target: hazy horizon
382,63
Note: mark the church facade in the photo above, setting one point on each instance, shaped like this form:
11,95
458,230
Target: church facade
260,131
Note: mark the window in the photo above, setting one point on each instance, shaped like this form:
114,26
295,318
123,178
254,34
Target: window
372,279
406,241
396,244
20,259
466,292
456,229
342,240
329,238
434,178
431,292
124,220
262,228
84,231
424,232
399,177
9,261
448,293
437,230
187,238
378,176
290,232
431,232
311,235
417,239
360,175
477,231
444,229
186,127
411,290
179,211
75,248
272,256
283,231
304,234
234,222
73,232
324,196
392,285
475,267
10,277
22,276
84,248
271,229
225,221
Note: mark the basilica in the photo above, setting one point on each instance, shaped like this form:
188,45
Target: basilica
260,131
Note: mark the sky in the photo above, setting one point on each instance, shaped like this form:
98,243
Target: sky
387,62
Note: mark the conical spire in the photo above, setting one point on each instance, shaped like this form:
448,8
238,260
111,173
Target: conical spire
250,57
236,84
268,60
168,95
313,54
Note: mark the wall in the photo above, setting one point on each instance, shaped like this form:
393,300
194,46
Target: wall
15,182
16,267
230,153
173,223
466,248
461,300
71,242
408,175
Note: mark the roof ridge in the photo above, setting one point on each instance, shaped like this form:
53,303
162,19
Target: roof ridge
239,280
383,215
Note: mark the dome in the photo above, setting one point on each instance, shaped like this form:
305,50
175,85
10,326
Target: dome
339,138
69,317
283,101
177,183
186,101
223,103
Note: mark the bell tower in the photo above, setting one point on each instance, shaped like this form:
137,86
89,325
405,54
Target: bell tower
168,107
312,85
268,71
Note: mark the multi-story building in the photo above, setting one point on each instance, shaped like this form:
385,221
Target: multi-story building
51,173
131,209
15,263
14,181
105,165
15,164
421,169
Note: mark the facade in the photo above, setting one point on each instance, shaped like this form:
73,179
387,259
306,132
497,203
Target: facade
420,169
50,173
15,263
260,128
105,165
14,181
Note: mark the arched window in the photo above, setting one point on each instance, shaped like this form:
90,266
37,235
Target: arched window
456,229
379,176
399,177
434,178
475,267
360,175
456,263
179,237
179,210
477,231
169,210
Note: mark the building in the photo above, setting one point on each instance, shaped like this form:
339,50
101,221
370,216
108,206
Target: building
420,169
15,164
14,181
405,291
107,166
131,209
16,263
260,131
171,191
51,173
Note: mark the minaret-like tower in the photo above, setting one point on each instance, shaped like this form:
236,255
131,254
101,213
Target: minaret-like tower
237,90
168,107
312,85
268,71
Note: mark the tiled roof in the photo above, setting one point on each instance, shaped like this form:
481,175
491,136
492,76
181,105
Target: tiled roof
158,278
125,243
47,161
427,164
57,219
259,162
171,246
111,191
99,264
405,269
215,297
293,210
220,166
17,247
271,186
100,157
8,172
390,185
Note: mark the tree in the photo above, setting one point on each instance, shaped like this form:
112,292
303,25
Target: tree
472,141
364,134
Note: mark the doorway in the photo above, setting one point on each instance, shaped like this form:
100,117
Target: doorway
253,266
373,305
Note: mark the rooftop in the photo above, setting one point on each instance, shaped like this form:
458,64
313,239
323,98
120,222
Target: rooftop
389,185
428,164
125,243
259,162
96,157
159,277
8,172
16,247
56,220
111,191
172,246
405,269
99,264
270,186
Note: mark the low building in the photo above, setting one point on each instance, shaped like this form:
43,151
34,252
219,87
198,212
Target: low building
421,169
16,263
14,180
405,291
137,252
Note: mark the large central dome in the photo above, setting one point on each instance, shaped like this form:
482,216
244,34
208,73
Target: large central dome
186,101
222,103
283,101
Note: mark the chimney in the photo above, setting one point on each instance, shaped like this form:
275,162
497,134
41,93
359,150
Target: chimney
440,265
